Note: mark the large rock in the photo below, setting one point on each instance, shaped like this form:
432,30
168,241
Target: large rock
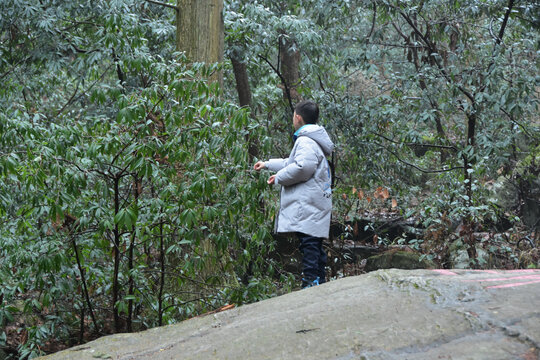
387,314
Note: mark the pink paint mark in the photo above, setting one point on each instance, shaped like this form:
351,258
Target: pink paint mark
513,284
486,271
445,272
524,277
523,271
505,271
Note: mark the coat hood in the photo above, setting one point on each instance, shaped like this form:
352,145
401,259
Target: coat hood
319,134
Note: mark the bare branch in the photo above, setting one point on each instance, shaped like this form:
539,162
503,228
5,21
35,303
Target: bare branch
398,45
372,21
491,30
77,23
433,51
287,90
14,67
511,117
419,168
498,40
435,146
163,4
505,21
73,99
70,99
400,33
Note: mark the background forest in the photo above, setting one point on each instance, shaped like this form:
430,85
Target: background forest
128,132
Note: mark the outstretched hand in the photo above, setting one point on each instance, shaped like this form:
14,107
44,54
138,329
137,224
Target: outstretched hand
259,165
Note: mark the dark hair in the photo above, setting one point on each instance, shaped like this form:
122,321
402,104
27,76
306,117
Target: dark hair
308,110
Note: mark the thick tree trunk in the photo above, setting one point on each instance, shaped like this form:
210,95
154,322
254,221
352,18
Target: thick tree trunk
200,30
289,56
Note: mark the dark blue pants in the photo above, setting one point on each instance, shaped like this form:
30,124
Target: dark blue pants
313,257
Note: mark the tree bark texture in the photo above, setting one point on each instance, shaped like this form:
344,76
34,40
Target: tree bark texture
242,82
244,98
289,57
200,30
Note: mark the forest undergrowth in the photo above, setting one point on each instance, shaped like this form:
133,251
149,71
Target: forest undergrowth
127,195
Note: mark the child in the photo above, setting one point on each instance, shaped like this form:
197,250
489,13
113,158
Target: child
306,197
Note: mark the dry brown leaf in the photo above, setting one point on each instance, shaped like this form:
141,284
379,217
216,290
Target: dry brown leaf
377,192
24,337
360,194
394,203
354,190
385,193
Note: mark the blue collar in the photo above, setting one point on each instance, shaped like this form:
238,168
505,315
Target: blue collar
295,136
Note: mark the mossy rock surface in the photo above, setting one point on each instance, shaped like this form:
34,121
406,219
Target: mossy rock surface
382,315
398,260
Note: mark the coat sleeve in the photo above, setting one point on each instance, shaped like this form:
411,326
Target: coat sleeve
276,164
303,165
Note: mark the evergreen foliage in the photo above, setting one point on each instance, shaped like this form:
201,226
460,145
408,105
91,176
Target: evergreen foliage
127,199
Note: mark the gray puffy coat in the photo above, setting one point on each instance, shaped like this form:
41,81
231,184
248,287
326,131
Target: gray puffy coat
306,196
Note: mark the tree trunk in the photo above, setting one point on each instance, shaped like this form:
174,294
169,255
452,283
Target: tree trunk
289,56
137,186
244,98
414,58
161,274
471,130
200,31
116,250
85,292
242,82
468,225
